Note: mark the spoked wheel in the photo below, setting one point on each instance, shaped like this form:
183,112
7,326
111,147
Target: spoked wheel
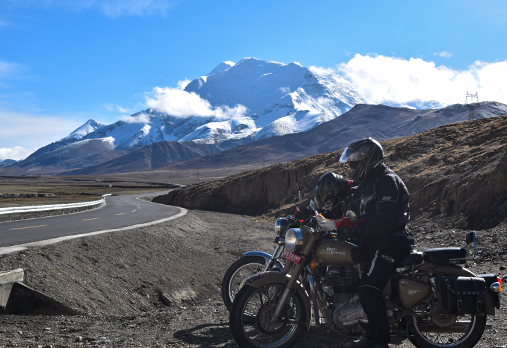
237,272
252,319
447,331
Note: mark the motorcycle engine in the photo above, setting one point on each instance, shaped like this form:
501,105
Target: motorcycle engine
341,284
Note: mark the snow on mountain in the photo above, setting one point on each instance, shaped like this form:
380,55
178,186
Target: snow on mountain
239,102
280,98
89,127
222,67
252,99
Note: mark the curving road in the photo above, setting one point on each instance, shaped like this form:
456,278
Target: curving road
120,212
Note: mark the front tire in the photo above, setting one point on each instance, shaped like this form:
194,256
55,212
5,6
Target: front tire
251,318
236,273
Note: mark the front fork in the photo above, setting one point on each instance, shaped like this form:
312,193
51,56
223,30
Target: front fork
271,259
290,286
280,307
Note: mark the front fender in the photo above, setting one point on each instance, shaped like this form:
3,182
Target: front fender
261,279
266,256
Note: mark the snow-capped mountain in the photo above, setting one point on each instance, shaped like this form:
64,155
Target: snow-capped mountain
280,98
87,128
250,100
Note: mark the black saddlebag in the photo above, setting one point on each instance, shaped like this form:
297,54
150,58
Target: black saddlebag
463,295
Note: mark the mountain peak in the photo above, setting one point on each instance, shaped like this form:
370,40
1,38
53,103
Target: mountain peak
88,127
222,67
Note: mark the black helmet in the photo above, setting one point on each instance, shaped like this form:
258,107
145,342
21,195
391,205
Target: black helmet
329,186
363,156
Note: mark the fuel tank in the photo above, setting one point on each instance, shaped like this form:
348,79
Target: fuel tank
334,252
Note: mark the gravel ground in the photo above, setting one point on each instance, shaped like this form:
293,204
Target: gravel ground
119,283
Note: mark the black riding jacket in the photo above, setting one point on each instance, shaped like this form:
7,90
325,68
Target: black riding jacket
382,201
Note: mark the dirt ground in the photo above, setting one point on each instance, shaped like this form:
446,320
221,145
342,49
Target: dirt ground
119,282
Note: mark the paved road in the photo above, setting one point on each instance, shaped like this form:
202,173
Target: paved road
119,212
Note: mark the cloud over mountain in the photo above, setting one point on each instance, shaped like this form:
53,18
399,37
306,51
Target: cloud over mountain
391,80
180,103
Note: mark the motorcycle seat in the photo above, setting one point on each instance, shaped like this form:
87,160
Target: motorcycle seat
445,256
415,257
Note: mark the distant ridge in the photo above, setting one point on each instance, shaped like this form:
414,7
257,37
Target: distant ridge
378,121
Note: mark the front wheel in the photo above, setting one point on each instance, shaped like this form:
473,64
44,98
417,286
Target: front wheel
236,273
252,318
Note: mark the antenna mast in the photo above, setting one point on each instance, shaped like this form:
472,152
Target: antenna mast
472,103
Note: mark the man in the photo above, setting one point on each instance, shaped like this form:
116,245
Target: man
381,200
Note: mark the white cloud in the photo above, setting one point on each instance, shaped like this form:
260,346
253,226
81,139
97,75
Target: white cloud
284,90
443,54
183,84
140,118
122,109
32,130
111,8
179,103
109,106
16,153
381,78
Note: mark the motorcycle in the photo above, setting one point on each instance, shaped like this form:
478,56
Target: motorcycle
431,299
254,262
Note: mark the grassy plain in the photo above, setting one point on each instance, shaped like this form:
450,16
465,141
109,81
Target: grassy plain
41,190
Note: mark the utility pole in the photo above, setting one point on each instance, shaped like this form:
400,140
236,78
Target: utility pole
472,103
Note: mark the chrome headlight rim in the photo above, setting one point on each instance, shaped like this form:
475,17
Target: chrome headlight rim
278,226
293,240
281,225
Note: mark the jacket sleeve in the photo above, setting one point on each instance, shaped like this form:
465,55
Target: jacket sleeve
387,210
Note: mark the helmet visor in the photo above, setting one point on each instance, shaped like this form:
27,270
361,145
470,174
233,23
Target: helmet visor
353,155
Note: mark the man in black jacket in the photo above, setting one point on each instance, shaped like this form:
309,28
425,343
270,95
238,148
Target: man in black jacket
381,200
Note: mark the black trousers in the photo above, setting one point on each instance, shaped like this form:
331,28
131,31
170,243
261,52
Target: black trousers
372,285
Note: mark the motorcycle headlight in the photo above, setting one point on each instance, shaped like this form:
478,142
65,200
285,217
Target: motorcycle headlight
293,240
281,225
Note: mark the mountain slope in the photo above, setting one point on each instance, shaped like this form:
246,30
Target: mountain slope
88,127
377,121
151,156
78,154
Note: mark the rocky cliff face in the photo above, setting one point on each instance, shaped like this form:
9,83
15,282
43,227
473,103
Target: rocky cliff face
458,169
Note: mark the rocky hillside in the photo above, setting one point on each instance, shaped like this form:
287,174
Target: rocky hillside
458,169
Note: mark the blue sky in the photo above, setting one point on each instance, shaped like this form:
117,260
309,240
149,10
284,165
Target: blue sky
63,62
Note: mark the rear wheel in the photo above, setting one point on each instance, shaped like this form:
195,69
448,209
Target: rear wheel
252,318
444,330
